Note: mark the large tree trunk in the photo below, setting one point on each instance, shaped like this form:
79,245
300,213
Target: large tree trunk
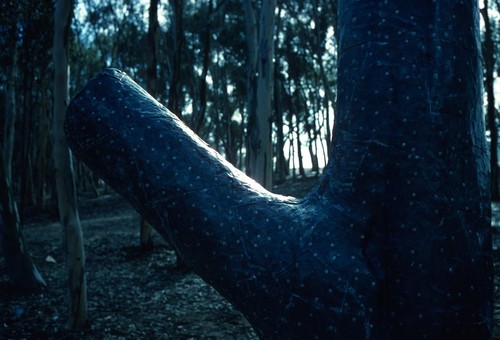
66,193
393,242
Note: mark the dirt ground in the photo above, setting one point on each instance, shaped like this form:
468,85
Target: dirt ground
131,294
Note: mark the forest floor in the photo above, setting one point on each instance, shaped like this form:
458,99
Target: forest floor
132,294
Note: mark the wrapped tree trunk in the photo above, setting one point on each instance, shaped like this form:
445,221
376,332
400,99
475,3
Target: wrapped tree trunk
392,242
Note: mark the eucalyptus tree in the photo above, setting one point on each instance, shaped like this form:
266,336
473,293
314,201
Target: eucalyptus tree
66,191
490,57
14,37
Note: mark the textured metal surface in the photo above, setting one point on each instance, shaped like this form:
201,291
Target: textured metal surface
394,240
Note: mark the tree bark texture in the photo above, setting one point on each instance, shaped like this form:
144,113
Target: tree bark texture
178,44
392,243
66,193
152,39
491,115
260,133
199,115
251,65
10,118
146,236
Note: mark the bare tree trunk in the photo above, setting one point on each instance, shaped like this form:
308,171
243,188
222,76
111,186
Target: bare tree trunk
281,163
199,115
251,42
178,35
261,152
20,267
152,36
66,195
489,68
10,118
146,236
392,243
299,145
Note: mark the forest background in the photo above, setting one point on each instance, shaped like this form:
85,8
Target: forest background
193,56
198,58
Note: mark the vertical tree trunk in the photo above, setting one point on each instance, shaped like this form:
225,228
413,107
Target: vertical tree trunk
489,69
409,116
251,43
392,243
199,115
152,37
10,118
299,145
281,163
20,267
174,93
146,236
66,195
261,154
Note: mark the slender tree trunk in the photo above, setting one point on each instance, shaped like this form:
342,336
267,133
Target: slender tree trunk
261,160
392,243
152,36
291,153
146,236
174,93
251,42
68,210
329,98
281,163
489,69
10,118
299,145
20,267
199,116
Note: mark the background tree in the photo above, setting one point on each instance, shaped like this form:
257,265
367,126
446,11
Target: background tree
146,238
66,193
489,59
20,267
260,123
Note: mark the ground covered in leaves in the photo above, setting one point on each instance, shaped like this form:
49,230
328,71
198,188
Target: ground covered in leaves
131,294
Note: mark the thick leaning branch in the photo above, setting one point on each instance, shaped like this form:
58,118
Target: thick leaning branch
394,239
256,248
